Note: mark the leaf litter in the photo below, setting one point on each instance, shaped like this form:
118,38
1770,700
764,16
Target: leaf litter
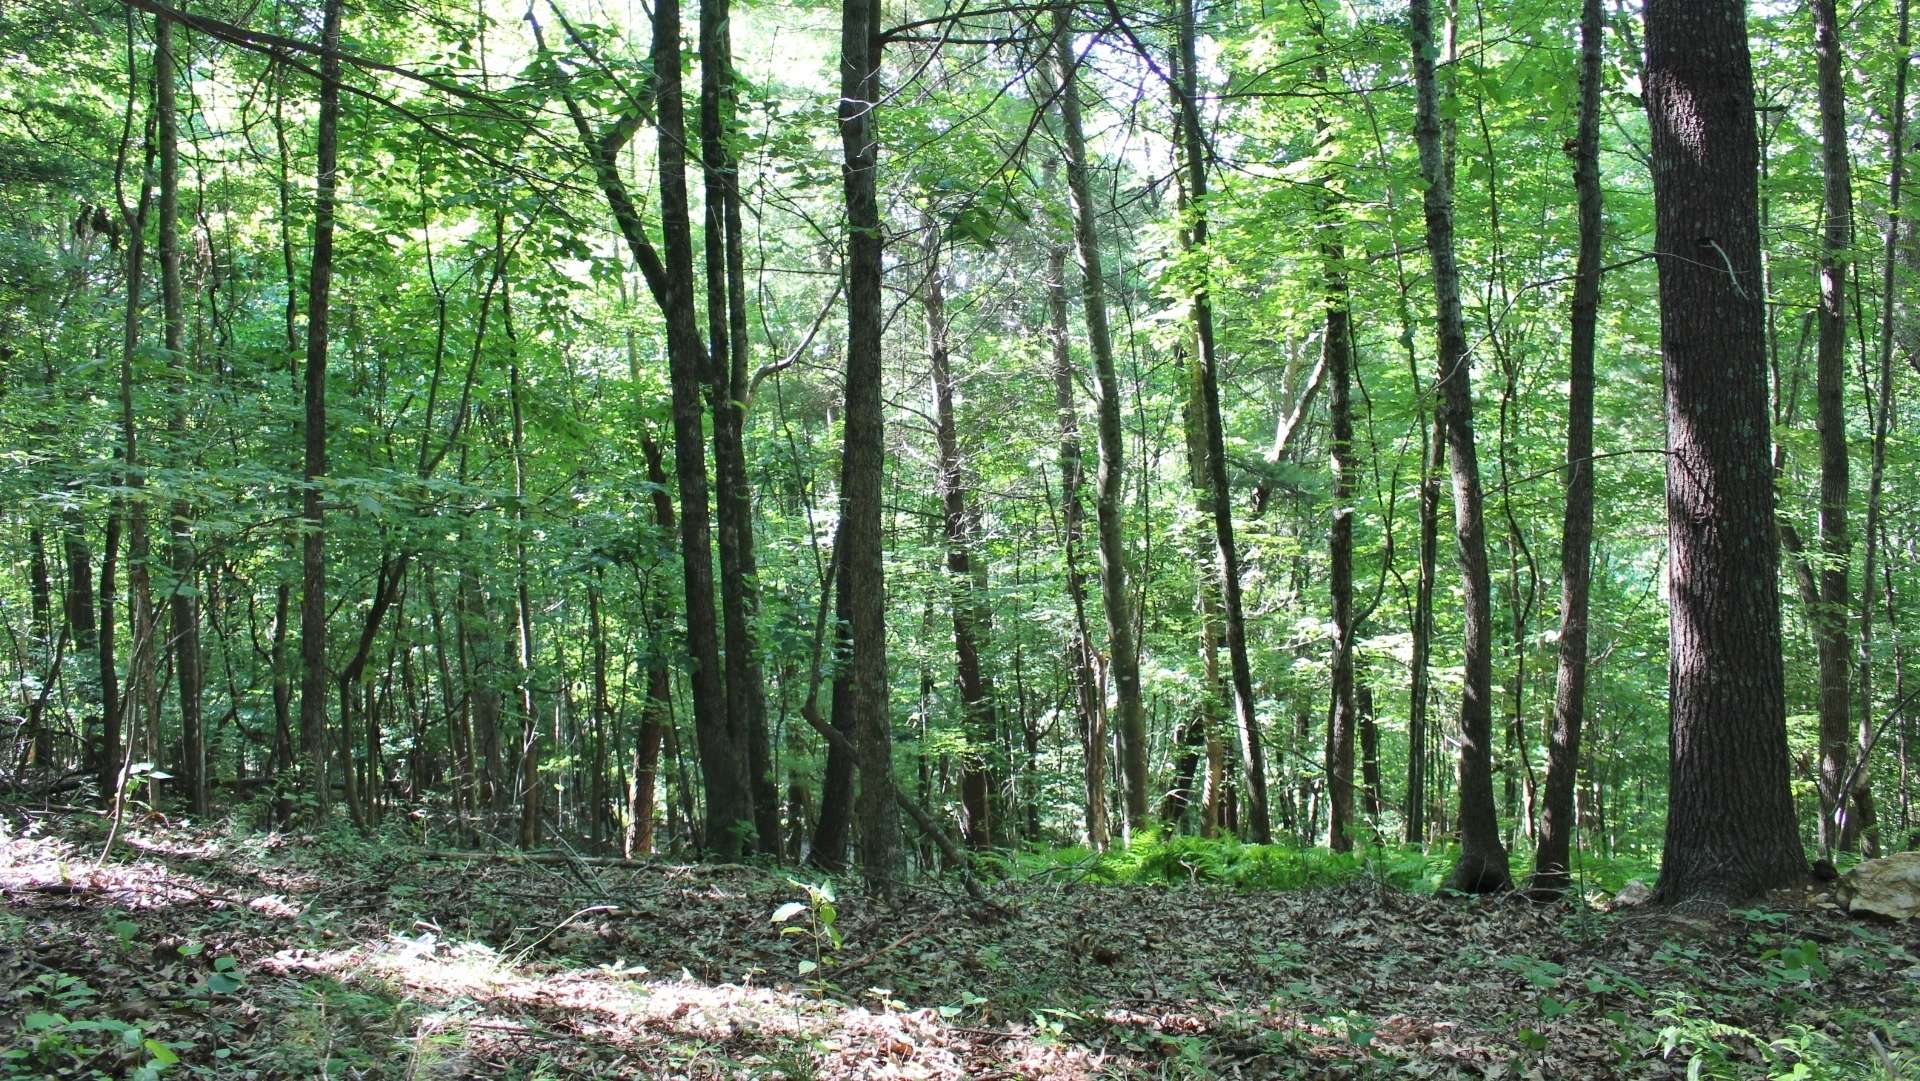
285,955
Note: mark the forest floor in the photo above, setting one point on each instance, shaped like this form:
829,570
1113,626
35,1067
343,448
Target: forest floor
226,955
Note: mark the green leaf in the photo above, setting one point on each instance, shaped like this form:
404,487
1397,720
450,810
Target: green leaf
788,911
162,1054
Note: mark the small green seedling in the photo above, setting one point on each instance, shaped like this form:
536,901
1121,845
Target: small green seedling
821,916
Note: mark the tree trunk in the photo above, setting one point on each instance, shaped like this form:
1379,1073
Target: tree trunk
1110,486
107,754
862,561
182,599
313,562
1552,854
123,722
657,714
1482,865
1837,826
484,653
531,788
40,607
727,379
1337,349
722,757
1371,799
1730,825
1252,754
598,764
1883,402
967,610
723,760
1086,686
79,605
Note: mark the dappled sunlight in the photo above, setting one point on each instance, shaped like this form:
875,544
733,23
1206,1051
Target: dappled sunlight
357,958
482,996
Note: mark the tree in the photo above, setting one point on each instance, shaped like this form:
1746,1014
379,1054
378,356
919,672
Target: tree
313,551
1091,711
861,561
1838,824
965,609
1552,853
723,759
728,352
182,596
1110,479
1730,829
1344,718
1482,865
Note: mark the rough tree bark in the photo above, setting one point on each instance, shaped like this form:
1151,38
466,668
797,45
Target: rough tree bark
1730,826
862,565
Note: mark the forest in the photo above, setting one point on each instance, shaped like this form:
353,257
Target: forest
958,538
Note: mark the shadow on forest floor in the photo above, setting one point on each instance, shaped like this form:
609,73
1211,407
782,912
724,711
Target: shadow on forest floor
206,954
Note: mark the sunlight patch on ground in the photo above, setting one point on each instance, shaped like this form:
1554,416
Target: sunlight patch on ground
478,992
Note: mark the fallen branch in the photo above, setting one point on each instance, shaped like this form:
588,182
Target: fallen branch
868,958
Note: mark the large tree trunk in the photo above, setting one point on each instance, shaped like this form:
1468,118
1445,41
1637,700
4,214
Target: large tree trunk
1553,851
1829,617
1252,754
313,552
1110,487
1730,826
1482,865
862,562
967,610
